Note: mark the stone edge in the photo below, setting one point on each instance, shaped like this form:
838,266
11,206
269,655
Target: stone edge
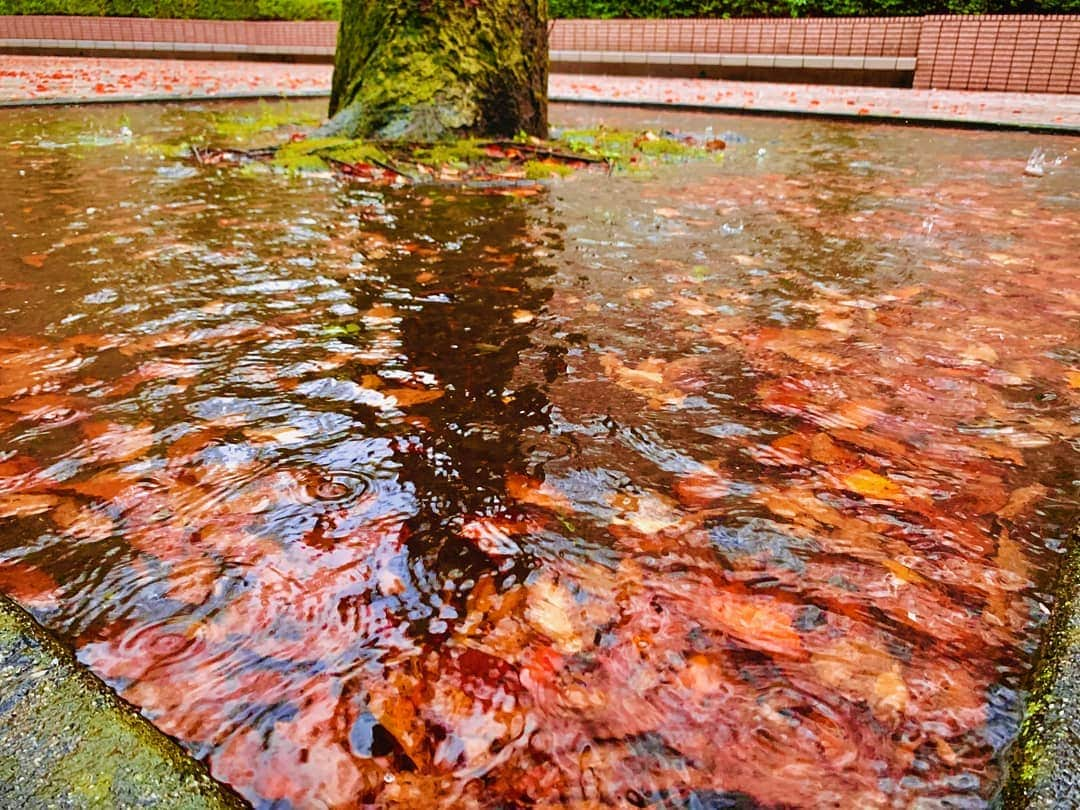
142,766
1044,768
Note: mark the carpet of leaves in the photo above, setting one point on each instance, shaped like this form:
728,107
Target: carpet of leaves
733,486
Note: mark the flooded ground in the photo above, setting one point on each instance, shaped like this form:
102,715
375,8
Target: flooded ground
718,485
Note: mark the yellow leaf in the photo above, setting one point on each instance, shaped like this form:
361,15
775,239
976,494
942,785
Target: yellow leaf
1073,379
523,316
871,485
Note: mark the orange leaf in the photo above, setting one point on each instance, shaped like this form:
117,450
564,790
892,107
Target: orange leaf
1021,500
701,487
25,505
756,622
27,584
529,490
871,485
404,397
35,259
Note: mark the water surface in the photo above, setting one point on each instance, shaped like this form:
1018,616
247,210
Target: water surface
716,485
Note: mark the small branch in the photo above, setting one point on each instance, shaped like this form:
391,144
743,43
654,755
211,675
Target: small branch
544,151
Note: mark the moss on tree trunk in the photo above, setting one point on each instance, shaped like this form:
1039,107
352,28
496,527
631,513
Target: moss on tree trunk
425,70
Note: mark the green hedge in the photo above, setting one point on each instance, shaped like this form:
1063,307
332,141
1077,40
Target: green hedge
607,9
182,9
603,9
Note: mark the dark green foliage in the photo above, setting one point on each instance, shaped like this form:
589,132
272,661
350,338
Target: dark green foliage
610,9
597,9
182,9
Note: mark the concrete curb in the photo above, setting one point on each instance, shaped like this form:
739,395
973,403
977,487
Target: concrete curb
944,122
67,740
1044,773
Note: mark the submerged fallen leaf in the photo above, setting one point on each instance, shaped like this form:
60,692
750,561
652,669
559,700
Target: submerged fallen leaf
523,489
863,671
871,485
701,487
404,397
26,505
495,536
28,584
551,610
1021,500
756,621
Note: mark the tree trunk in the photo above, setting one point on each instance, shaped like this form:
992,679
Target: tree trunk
427,70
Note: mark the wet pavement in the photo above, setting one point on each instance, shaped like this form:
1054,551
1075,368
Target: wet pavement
46,79
738,482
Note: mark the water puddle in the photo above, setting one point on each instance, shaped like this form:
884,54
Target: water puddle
722,485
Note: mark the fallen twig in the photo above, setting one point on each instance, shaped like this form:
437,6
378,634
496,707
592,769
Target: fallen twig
544,151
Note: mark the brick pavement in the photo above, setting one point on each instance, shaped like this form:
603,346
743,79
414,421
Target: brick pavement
35,79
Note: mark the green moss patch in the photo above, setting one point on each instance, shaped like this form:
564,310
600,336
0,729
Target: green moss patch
472,160
622,147
1045,767
268,118
66,740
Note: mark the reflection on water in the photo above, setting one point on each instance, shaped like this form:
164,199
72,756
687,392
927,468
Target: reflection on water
724,486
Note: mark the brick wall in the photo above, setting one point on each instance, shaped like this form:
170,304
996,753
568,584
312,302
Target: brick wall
137,29
1012,53
864,36
1026,54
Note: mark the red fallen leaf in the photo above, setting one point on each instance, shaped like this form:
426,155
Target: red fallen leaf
824,450
35,259
701,487
872,442
494,535
20,474
759,622
82,522
193,442
523,489
979,495
192,581
114,443
180,371
553,611
105,485
863,671
28,584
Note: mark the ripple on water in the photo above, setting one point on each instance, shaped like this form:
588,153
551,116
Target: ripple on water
709,486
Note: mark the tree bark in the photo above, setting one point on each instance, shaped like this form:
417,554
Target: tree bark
427,70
